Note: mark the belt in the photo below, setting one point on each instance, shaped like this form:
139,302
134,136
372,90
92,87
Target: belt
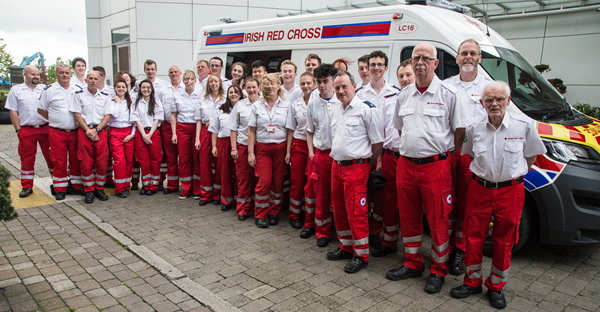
64,130
147,128
495,185
36,126
353,161
427,160
393,153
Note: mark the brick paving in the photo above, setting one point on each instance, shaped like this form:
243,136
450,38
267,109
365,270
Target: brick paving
54,259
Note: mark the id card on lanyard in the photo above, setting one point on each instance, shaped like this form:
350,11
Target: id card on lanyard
271,126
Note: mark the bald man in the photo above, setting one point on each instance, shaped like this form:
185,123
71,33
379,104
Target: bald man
31,127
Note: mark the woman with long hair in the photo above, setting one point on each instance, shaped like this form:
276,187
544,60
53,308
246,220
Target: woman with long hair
130,81
183,125
221,147
239,74
147,113
266,150
120,137
213,98
238,125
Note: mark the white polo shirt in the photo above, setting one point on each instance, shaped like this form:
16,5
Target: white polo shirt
24,101
500,154
470,94
270,124
108,91
318,120
200,85
218,124
186,105
208,109
79,84
314,94
355,129
119,114
239,119
296,118
293,94
141,113
158,84
428,120
92,107
385,101
55,100
168,100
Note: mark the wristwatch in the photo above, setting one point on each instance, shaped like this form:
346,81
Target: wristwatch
98,129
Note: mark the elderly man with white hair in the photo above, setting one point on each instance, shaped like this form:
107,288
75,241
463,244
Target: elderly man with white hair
502,147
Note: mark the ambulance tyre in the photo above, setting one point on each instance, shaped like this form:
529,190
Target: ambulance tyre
525,232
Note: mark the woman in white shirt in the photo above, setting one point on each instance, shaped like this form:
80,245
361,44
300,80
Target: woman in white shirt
147,113
239,74
183,127
120,138
213,98
221,147
266,150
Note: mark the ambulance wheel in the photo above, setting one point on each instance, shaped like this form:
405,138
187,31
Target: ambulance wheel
525,230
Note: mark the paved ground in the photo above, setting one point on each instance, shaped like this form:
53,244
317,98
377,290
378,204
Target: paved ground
161,253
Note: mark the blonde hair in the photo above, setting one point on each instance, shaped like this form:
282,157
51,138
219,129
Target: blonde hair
188,72
275,79
209,91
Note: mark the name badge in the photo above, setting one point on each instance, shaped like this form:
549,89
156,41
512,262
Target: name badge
271,128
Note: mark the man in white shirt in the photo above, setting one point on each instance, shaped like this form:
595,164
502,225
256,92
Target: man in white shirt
405,74
203,73
169,165
259,69
311,62
357,133
430,119
502,146
469,82
291,90
363,71
54,105
31,127
216,68
88,108
79,68
108,92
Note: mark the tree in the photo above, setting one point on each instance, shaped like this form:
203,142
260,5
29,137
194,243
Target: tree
6,60
7,211
52,69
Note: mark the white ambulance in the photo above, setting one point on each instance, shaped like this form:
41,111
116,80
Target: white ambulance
563,193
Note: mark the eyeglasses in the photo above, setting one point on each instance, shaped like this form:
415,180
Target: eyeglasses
490,101
465,53
422,57
377,65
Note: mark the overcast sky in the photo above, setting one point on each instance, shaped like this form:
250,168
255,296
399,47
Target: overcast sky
53,27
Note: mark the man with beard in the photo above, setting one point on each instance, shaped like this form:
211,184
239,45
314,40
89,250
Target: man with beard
469,82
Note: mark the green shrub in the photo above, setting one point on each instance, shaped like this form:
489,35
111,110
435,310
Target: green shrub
587,109
7,211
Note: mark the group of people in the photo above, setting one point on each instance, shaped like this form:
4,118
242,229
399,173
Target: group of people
448,149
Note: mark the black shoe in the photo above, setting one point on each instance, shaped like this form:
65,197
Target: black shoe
296,224
122,194
216,202
273,220
143,191
464,291
196,197
101,195
134,187
181,196
60,196
497,299
109,185
203,202
161,187
455,265
150,192
25,192
225,207
242,217
402,273
261,223
434,284
322,241
80,192
306,233
383,251
168,191
89,197
339,254
355,265
127,192
375,242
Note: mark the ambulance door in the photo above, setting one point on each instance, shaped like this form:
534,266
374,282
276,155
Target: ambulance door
403,50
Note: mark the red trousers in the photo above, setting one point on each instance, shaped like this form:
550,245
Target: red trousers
270,171
135,176
391,220
298,157
109,159
225,170
461,179
63,152
122,155
189,159
429,186
321,173
208,191
245,181
28,140
92,156
149,156
350,208
505,204
169,160
309,197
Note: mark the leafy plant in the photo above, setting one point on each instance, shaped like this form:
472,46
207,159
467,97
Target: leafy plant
7,211
587,109
6,60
